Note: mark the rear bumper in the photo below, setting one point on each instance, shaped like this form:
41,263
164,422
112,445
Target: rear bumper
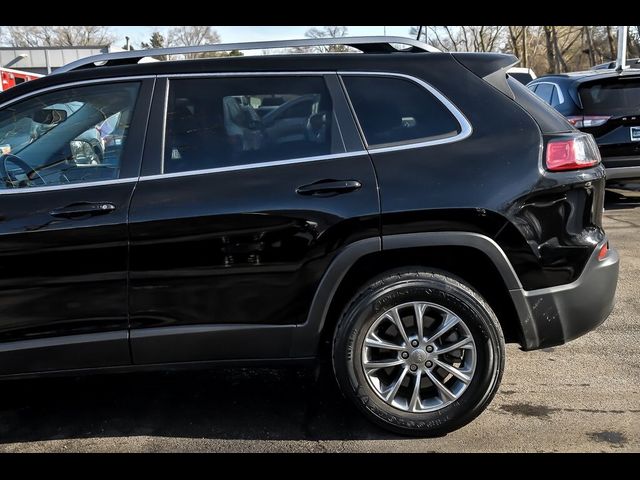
556,315
626,173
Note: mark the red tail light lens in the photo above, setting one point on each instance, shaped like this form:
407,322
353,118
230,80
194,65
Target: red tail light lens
588,120
572,153
602,254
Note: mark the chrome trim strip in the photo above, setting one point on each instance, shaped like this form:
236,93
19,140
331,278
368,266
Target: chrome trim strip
63,341
163,135
465,126
61,86
251,166
265,45
292,73
612,173
68,186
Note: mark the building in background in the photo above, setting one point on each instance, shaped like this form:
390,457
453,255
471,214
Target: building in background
44,60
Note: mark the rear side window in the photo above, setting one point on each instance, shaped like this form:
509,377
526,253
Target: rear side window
395,111
231,121
555,100
613,97
545,92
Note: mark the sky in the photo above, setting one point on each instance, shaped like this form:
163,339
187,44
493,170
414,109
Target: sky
229,34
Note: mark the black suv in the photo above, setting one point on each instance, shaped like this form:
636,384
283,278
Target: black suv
606,104
400,212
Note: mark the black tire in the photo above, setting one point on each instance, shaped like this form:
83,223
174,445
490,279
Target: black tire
417,284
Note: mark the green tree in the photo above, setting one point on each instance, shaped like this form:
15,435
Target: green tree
155,41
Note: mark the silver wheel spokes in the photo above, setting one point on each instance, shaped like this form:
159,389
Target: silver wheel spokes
419,357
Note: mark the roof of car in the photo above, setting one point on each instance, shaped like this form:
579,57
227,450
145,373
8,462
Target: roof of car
589,74
326,62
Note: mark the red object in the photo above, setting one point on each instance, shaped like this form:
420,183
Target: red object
588,120
10,77
603,251
572,153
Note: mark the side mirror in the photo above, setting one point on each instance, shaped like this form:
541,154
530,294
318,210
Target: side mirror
49,116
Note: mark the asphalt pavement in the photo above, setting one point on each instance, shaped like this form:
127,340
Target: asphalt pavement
580,397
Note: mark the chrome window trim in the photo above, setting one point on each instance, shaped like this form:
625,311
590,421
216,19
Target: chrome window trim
163,136
233,74
556,86
61,86
67,186
465,127
251,166
291,73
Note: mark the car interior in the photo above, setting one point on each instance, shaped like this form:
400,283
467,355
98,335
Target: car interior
63,136
207,128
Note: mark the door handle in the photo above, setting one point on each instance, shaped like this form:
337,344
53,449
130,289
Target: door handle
329,187
83,209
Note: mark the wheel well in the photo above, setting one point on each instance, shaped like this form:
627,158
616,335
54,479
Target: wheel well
470,264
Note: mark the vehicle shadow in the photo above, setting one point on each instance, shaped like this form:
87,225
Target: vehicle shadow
247,403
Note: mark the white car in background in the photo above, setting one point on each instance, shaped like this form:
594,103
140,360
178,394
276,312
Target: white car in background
523,75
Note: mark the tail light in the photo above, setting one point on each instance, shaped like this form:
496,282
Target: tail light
588,120
602,254
572,153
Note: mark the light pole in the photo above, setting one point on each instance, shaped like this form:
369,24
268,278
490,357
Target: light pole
621,58
17,59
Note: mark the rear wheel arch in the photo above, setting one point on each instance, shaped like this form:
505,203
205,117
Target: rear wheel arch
474,258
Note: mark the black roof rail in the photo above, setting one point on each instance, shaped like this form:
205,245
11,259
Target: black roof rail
364,44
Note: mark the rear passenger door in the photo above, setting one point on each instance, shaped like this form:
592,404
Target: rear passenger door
251,184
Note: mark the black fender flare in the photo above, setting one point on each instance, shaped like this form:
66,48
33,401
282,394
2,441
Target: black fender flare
307,335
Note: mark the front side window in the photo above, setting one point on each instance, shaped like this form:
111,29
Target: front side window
67,136
395,111
231,121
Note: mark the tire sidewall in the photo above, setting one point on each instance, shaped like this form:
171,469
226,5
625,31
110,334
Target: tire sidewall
456,298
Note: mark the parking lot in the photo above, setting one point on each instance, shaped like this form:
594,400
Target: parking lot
584,396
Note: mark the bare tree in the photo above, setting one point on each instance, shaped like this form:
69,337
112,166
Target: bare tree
84,35
634,41
590,48
187,36
549,49
612,48
462,38
324,32
518,43
57,36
